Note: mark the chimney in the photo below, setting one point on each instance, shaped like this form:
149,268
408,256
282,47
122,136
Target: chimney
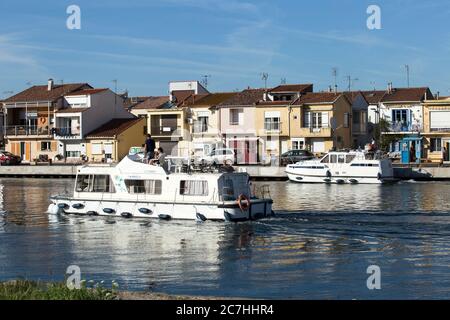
50,84
336,89
330,89
389,90
437,95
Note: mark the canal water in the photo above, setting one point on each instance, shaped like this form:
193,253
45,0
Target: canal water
318,246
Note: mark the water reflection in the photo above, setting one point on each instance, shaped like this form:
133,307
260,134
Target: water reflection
318,246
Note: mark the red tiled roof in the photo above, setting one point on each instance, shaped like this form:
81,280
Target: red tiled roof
191,99
213,99
113,128
318,98
40,93
408,95
152,103
247,97
181,95
293,88
86,92
373,97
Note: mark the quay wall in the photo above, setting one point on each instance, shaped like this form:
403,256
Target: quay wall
256,172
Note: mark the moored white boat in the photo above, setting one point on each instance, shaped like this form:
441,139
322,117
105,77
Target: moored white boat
354,167
134,189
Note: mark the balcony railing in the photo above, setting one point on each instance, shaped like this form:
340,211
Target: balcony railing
23,130
164,131
66,132
359,128
405,127
272,126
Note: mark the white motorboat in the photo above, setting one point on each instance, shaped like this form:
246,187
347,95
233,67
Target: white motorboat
354,167
132,189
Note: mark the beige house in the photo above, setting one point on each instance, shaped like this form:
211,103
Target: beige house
436,120
321,122
112,141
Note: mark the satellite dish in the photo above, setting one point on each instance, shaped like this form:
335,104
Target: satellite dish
333,123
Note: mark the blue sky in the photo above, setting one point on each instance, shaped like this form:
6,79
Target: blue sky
144,43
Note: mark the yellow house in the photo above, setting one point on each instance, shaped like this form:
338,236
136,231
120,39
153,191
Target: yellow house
272,126
320,122
112,141
436,120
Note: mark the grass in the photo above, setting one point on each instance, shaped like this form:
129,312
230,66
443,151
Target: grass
34,290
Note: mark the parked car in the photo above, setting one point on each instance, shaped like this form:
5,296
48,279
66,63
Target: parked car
7,158
295,156
219,157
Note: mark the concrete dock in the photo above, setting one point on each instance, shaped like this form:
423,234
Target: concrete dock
264,173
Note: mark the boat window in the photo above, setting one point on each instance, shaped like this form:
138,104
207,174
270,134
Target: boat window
101,183
326,159
94,183
333,158
194,188
341,158
144,186
228,190
82,183
350,158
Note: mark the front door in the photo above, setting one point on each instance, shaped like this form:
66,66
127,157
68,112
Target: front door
22,151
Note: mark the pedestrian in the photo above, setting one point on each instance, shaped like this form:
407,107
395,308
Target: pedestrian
150,146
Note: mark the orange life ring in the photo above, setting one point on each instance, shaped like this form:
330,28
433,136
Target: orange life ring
244,202
42,120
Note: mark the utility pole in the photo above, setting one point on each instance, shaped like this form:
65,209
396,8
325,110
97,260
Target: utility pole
407,74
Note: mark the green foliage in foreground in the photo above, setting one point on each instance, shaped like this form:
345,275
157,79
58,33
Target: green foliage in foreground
32,290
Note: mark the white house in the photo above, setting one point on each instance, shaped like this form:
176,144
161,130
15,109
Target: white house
85,111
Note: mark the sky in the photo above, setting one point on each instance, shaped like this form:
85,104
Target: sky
144,44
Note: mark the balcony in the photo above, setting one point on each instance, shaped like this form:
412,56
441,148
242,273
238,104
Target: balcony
165,131
24,130
359,128
405,127
316,132
67,133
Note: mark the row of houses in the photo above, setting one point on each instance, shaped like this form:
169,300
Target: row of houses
72,121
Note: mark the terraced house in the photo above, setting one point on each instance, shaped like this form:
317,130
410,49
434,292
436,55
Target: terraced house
321,122
273,119
402,109
436,119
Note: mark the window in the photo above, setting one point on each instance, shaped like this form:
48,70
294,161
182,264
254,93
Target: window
73,154
346,120
333,158
341,158
94,183
436,145
235,116
46,146
202,124
298,144
317,120
400,116
194,188
144,186
326,159
272,124
350,158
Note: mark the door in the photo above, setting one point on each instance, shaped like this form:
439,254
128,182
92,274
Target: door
405,152
22,150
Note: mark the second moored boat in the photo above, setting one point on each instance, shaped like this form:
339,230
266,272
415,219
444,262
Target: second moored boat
354,167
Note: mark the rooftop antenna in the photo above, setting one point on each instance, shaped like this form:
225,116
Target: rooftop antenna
283,80
373,83
205,80
264,77
407,74
334,72
115,91
351,82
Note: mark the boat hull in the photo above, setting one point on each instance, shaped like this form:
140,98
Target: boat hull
300,178
226,211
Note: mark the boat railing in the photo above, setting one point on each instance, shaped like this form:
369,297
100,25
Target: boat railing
264,191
